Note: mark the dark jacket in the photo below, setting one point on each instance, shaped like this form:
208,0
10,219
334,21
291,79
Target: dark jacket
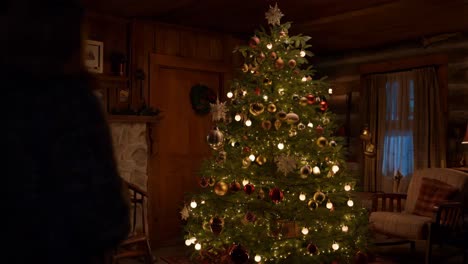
63,196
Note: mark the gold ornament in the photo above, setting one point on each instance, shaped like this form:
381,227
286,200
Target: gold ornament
322,142
301,126
266,124
292,118
215,139
292,132
261,160
256,109
312,204
303,101
271,108
221,188
246,162
281,115
319,197
277,124
216,225
279,63
305,171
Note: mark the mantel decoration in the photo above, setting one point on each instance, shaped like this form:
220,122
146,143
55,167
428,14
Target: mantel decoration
201,96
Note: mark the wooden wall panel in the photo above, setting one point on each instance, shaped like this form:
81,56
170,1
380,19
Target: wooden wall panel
344,71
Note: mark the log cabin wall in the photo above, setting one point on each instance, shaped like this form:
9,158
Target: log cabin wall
344,74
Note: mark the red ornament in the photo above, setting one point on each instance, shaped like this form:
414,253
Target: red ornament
249,188
319,129
310,99
323,106
203,182
235,186
276,195
257,91
250,217
279,63
292,63
246,149
312,249
254,41
273,55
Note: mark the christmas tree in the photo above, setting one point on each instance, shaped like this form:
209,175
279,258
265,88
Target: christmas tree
276,189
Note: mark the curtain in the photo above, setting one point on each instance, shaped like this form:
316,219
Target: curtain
403,112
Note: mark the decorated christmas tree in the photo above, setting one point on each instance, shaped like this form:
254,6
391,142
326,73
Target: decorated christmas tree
276,189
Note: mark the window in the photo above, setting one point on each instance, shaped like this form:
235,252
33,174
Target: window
398,151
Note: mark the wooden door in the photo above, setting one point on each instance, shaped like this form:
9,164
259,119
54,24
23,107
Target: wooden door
179,143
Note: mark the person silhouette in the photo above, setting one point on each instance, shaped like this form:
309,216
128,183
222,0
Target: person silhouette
64,201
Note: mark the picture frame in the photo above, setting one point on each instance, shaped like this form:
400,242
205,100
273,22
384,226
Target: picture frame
94,56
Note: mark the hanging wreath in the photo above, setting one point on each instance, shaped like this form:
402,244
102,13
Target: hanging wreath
201,96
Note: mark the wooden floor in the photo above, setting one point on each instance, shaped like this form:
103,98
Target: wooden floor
399,254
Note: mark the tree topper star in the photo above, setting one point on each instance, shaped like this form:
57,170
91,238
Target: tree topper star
273,15
185,213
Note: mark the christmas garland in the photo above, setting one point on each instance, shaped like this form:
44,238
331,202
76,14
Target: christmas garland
201,96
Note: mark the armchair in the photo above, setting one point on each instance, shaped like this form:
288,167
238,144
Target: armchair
432,209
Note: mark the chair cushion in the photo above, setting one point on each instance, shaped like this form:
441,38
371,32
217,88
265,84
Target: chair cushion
431,193
401,225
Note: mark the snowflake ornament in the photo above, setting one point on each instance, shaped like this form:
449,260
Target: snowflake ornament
218,111
286,164
273,15
185,213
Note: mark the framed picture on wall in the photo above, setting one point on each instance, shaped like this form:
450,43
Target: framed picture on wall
94,56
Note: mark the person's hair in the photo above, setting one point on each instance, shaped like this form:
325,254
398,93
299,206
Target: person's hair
41,36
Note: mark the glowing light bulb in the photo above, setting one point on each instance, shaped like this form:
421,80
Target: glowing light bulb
347,187
193,204
304,79
245,182
229,94
198,246
302,53
329,205
252,157
330,91
310,125
238,117
335,246
344,228
248,122
302,197
280,146
305,231
202,202
265,97
335,168
316,170
350,203
258,258
233,143
269,46
188,242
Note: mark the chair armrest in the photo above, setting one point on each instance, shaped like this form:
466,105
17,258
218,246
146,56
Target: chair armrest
388,201
448,215
135,188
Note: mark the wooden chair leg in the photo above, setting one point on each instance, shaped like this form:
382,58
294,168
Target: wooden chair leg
149,254
428,245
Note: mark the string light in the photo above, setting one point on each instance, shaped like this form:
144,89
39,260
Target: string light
198,246
193,204
265,97
269,46
310,125
335,168
305,231
302,197
245,182
248,122
252,157
335,246
344,228
258,258
304,79
229,94
237,117
280,146
330,91
329,205
347,187
188,242
302,53
350,203
316,170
